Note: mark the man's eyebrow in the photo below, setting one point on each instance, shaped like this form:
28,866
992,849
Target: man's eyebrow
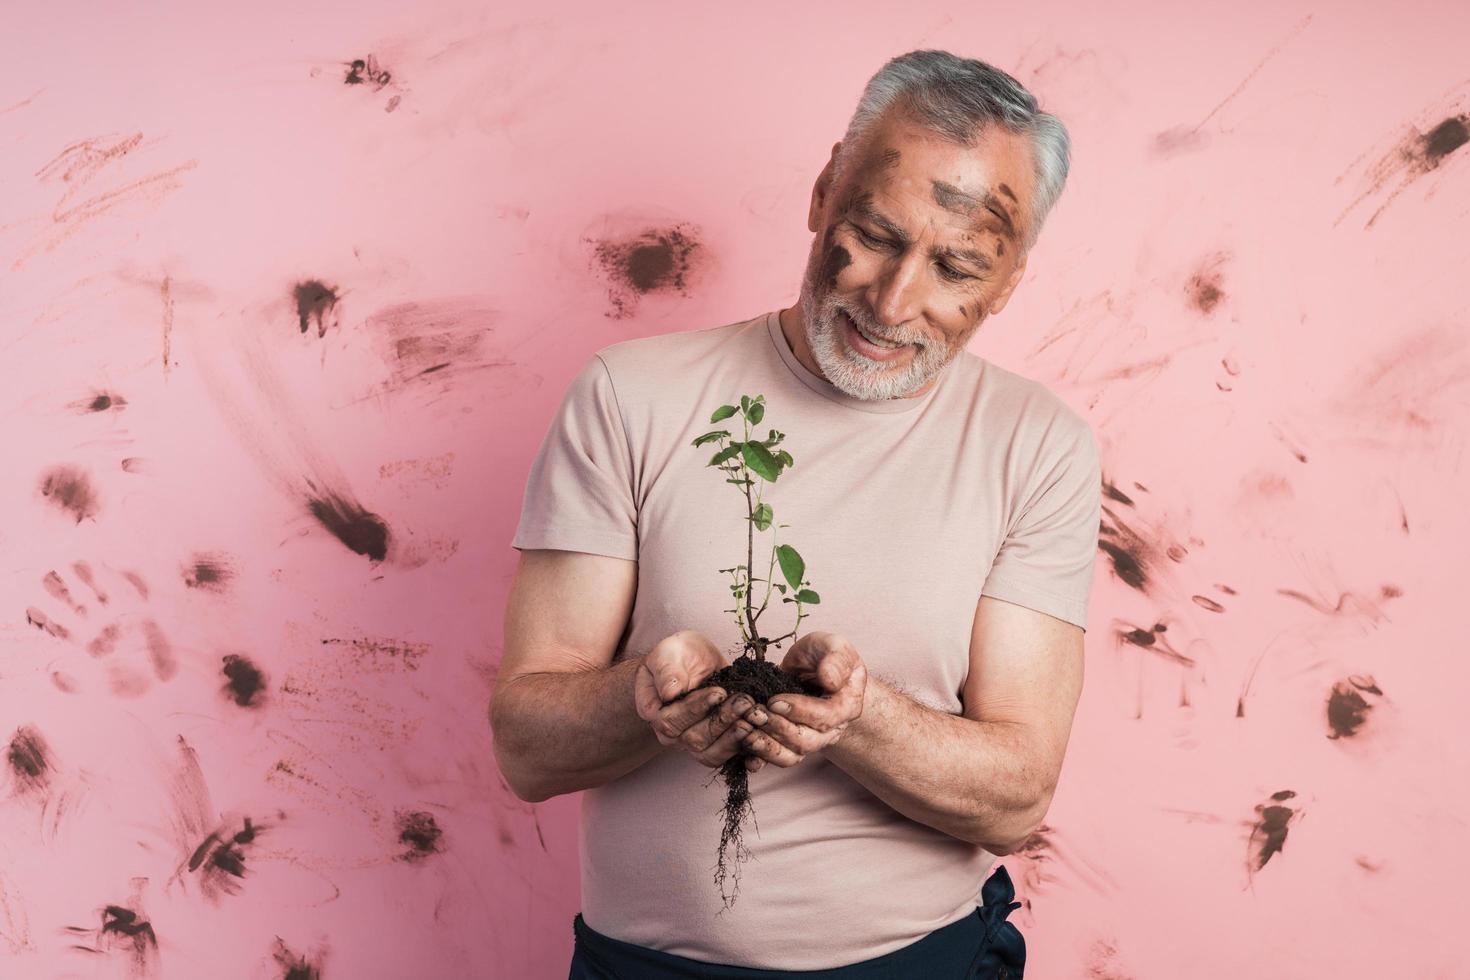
863,207
951,198
968,254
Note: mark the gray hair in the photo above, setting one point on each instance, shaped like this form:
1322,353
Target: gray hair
956,98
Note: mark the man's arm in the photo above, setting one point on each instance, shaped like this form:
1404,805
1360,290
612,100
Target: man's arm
562,713
987,775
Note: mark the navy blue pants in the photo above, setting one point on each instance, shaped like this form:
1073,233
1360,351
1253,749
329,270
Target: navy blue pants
983,946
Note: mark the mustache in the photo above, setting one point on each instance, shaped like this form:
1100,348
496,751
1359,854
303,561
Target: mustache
868,325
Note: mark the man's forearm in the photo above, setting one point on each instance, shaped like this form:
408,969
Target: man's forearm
970,779
557,733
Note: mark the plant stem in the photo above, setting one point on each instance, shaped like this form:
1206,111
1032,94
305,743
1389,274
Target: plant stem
760,653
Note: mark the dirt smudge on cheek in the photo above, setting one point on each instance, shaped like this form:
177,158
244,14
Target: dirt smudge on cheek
834,260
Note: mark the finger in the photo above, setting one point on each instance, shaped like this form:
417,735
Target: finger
645,697
798,738
754,762
807,652
674,719
673,682
725,746
771,750
703,732
822,714
828,661
688,659
736,707
837,667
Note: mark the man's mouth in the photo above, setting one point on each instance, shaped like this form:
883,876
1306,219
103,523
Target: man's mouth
875,346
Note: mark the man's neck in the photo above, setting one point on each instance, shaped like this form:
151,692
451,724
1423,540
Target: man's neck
795,332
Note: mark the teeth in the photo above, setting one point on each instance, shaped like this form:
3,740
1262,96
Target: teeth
873,340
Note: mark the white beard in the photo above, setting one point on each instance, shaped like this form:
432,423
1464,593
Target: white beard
850,371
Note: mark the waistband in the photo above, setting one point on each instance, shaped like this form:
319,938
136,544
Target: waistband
949,951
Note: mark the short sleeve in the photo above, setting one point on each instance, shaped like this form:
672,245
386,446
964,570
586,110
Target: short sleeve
1046,561
579,494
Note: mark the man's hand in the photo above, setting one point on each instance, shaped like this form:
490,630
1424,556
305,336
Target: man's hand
664,695
811,723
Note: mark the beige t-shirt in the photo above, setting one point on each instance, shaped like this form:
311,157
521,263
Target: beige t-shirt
906,511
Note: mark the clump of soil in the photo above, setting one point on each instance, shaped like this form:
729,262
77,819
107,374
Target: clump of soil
750,673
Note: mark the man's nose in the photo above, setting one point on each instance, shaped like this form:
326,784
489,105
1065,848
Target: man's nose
897,296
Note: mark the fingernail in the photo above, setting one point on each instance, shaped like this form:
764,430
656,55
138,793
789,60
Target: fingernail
742,728
717,697
743,703
757,717
780,707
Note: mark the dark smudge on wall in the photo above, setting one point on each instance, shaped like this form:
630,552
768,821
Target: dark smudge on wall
655,260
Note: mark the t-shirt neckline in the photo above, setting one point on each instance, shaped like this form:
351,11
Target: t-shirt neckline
830,391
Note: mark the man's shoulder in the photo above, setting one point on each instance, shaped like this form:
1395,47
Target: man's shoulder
1026,402
676,347
664,368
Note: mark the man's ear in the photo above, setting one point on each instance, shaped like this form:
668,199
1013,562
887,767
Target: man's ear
821,189
1000,301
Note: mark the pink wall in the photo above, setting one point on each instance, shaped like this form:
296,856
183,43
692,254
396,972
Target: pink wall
1253,287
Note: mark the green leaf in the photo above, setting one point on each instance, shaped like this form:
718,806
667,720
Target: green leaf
785,458
745,403
759,459
722,413
710,437
807,595
762,517
729,452
791,564
755,413
781,588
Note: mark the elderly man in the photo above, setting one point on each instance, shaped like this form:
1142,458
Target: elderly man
948,511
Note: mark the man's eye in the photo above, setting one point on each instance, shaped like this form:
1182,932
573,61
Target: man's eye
954,275
872,240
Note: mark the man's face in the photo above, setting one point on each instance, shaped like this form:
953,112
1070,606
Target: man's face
920,243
